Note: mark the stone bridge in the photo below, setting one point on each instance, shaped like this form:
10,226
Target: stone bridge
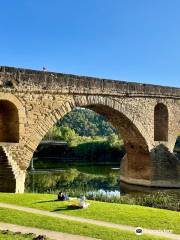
146,116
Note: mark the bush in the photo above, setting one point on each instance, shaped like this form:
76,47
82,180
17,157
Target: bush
156,200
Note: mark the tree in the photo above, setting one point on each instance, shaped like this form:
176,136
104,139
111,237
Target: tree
67,134
86,122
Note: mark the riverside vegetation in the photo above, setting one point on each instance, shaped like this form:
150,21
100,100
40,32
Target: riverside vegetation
155,200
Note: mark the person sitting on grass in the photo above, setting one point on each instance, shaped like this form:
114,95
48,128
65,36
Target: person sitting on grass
62,196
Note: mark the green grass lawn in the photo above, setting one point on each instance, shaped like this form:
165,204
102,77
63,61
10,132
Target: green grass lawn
111,212
68,226
15,236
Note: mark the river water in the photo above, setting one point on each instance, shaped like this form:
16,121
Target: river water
78,180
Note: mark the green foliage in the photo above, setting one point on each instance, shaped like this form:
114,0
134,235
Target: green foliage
86,123
114,141
89,148
103,151
53,134
8,235
60,133
155,200
67,134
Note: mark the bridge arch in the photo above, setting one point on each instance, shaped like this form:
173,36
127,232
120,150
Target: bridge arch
137,160
9,122
12,118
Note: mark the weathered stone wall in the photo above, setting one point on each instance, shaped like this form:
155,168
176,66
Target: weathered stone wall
32,80
42,98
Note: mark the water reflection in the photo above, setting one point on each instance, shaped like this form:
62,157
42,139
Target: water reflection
135,190
85,180
73,180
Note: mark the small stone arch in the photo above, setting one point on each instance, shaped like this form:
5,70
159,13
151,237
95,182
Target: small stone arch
9,122
161,122
12,119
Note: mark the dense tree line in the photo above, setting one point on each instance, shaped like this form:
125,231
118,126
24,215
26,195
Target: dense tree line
87,149
86,123
84,126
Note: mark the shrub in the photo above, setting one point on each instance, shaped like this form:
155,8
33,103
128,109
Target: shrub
156,200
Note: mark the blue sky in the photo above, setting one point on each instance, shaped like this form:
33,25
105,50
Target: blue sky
133,40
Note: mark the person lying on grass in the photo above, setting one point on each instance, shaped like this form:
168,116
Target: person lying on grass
83,203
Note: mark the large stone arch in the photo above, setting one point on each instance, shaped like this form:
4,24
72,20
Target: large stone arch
136,166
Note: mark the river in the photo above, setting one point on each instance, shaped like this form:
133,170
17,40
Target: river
80,180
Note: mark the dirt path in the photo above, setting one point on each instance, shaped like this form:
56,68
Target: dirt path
92,221
50,234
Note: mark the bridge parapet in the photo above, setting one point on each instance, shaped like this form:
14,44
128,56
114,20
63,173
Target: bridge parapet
13,79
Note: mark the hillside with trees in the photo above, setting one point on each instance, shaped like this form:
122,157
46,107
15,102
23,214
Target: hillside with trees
86,123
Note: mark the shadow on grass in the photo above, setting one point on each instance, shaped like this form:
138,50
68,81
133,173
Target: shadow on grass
69,207
48,201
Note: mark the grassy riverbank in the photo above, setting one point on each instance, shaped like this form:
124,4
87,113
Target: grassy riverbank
69,226
111,212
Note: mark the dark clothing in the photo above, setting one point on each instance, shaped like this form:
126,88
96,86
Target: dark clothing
61,197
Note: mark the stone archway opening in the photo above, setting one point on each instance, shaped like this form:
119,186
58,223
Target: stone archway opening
161,122
9,122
